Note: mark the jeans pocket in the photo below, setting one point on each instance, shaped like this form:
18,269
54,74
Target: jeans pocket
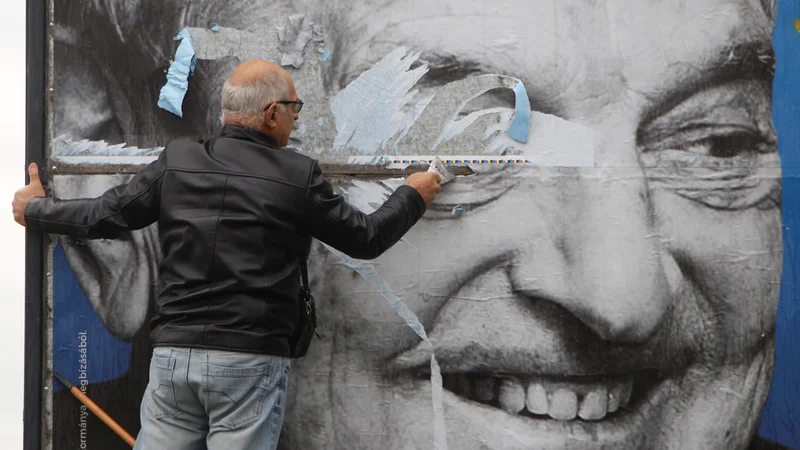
236,394
160,395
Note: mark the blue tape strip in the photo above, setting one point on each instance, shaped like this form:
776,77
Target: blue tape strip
520,126
173,92
325,56
367,271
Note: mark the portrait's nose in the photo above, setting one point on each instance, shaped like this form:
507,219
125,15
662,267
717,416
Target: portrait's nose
605,250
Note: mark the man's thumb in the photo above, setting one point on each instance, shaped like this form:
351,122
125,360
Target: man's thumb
33,171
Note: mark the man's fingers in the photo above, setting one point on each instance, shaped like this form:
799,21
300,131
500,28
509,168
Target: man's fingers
33,172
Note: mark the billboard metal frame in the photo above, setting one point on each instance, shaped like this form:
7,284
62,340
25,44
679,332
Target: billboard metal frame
35,143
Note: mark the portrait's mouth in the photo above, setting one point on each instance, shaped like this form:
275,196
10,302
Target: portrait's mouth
525,364
614,411
553,412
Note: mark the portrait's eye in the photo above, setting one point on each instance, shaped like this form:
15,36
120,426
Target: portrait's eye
715,148
734,144
471,193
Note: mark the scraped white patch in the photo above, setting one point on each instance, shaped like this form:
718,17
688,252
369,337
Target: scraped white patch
368,196
457,127
552,142
368,111
64,146
409,120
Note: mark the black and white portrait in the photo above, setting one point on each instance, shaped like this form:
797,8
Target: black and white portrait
625,304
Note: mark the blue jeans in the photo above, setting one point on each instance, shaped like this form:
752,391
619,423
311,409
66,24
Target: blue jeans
210,399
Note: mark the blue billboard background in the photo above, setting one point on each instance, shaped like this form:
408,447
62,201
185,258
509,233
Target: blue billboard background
83,350
781,417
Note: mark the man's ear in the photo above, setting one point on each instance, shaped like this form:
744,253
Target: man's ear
269,116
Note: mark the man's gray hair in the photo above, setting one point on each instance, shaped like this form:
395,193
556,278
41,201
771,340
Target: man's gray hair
246,103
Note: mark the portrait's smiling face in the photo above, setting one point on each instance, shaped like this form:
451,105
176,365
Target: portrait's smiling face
625,306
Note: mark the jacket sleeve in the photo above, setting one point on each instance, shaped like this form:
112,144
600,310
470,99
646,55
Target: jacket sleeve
130,206
335,222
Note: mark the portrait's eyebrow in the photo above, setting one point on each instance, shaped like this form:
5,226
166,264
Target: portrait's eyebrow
753,60
750,60
445,68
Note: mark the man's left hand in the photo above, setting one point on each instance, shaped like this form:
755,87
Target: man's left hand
22,196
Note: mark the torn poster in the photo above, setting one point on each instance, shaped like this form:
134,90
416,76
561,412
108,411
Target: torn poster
173,92
368,111
293,37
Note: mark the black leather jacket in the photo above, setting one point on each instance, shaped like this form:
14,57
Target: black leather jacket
235,216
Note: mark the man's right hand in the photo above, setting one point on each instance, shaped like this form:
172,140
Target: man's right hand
428,184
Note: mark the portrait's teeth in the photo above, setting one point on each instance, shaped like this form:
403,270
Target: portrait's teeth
619,393
594,404
484,389
562,400
511,396
613,397
625,394
536,399
563,405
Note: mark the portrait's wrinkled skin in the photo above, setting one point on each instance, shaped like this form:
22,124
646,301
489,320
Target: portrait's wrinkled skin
625,306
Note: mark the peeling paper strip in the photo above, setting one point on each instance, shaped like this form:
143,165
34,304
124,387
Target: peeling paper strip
172,94
518,130
367,271
367,111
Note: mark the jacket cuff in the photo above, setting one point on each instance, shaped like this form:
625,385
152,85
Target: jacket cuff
33,213
414,197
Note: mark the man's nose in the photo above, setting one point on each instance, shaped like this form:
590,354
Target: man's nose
607,253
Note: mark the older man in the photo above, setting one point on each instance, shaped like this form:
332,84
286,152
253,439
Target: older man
235,218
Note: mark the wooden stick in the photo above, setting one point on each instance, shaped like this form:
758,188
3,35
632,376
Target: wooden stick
97,411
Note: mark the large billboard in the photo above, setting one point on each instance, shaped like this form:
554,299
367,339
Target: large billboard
631,286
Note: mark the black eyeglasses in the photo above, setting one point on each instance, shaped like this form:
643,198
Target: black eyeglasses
296,105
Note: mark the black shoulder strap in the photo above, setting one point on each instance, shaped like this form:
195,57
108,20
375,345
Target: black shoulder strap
304,275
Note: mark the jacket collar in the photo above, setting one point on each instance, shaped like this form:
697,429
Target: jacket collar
248,134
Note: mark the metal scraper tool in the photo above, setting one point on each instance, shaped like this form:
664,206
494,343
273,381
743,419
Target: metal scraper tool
437,166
